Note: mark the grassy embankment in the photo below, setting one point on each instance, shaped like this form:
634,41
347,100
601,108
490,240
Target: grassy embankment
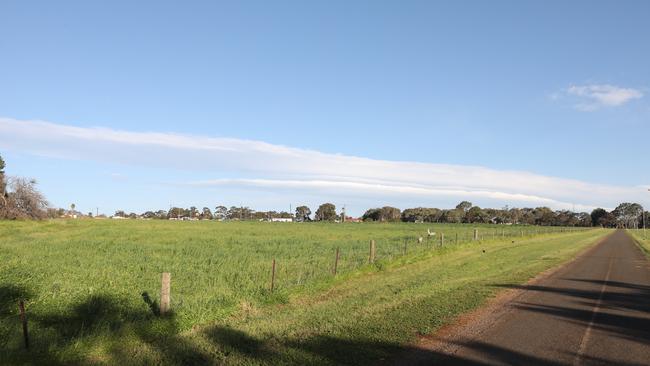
643,239
84,282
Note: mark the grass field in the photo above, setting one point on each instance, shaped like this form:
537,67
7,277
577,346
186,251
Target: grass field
91,287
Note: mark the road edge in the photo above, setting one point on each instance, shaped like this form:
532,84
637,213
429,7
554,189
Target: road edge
446,340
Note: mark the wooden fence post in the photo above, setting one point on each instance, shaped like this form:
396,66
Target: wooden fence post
273,275
336,261
372,251
23,319
442,239
475,234
165,293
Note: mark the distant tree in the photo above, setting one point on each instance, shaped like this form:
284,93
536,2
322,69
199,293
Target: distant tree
543,216
177,213
565,218
24,201
475,215
494,216
628,214
584,219
240,213
193,212
3,185
326,212
413,215
389,213
527,216
90,214
372,214
514,215
119,213
220,212
148,215
453,216
422,214
72,207
464,205
206,214
303,213
597,216
161,215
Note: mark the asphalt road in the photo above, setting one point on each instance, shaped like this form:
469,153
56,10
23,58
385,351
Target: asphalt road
594,311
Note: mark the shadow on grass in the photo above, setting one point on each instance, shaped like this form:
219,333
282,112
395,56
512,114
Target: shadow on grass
65,337
130,335
152,304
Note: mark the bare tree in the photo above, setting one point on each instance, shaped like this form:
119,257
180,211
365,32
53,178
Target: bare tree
24,200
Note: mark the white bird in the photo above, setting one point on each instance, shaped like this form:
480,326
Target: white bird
431,233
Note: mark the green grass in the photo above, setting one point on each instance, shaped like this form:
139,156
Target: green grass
643,239
84,281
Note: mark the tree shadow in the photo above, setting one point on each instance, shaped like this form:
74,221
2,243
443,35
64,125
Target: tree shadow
104,319
10,295
623,307
101,319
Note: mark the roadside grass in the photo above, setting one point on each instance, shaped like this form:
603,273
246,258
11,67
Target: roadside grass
92,288
642,239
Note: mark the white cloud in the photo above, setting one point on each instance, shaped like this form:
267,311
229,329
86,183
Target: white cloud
246,163
595,96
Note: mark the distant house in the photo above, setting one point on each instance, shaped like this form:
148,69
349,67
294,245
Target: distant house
353,219
118,218
281,219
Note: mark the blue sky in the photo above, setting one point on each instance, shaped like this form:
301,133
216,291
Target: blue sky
365,103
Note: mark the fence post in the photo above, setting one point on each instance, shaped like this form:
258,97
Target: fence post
372,251
475,234
23,319
456,237
273,275
165,293
336,261
442,239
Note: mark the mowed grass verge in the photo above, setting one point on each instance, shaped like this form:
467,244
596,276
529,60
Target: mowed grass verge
366,314
643,240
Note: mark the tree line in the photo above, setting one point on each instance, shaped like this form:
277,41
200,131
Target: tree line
628,215
19,199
